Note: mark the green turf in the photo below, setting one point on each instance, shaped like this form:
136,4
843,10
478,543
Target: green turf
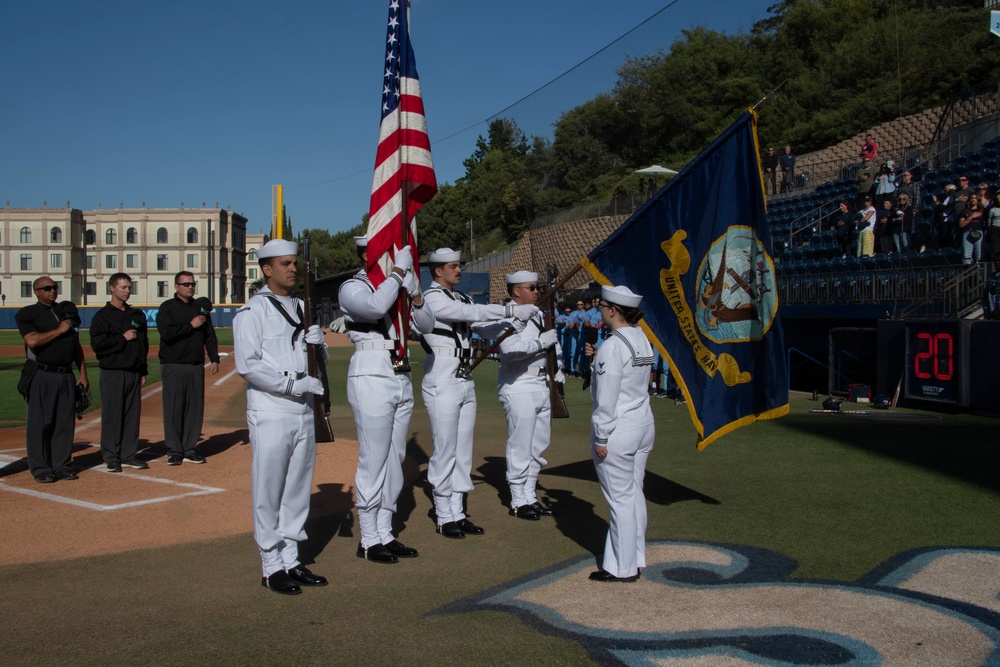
11,337
838,496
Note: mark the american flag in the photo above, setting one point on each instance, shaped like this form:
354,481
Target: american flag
404,171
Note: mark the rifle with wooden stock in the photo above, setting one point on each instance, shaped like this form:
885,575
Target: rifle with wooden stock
315,367
556,400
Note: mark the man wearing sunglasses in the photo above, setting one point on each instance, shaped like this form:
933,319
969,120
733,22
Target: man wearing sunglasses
186,334
522,387
52,347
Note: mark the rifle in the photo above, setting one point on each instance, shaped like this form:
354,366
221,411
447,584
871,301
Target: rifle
559,410
321,409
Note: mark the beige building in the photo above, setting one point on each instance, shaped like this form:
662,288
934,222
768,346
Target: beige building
80,250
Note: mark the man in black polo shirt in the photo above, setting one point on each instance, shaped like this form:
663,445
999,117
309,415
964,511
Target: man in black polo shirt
186,334
52,346
118,336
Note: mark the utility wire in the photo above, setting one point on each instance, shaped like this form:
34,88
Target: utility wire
509,106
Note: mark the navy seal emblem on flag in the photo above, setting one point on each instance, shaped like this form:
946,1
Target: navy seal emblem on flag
736,288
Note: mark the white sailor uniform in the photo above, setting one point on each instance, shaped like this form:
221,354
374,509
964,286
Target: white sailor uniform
382,400
623,422
522,387
450,397
270,354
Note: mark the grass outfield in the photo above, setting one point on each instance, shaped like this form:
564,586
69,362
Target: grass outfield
839,496
11,337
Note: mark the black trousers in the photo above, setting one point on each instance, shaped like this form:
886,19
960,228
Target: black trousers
121,401
51,405
183,406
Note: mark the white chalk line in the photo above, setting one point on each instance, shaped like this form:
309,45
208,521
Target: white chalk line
197,490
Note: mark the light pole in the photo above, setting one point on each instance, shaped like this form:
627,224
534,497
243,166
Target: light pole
211,261
472,242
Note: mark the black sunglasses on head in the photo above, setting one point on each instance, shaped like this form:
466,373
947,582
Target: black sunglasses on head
187,284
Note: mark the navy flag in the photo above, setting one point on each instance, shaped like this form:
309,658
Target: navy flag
699,253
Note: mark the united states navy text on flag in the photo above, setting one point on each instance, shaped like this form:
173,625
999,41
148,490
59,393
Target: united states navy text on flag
699,253
404,171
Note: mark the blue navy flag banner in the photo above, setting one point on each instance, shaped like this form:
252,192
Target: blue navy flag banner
699,253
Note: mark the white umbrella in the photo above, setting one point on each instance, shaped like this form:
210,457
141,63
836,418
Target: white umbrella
656,169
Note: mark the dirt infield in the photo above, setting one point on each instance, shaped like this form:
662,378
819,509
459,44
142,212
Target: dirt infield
99,513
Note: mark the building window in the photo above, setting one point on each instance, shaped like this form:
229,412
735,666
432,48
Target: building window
161,289
91,289
131,235
252,274
55,260
26,289
192,235
131,261
161,235
89,237
55,235
91,262
26,262
25,235
110,237
252,256
161,263
110,261
192,261
58,286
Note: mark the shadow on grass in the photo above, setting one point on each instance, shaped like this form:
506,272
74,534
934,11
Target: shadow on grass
413,478
330,516
960,446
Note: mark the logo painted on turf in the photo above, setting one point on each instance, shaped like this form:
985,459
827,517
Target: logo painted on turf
701,603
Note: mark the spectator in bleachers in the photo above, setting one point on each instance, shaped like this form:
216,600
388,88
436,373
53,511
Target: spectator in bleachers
903,224
944,215
865,179
885,183
845,224
961,195
787,165
908,187
985,195
869,150
971,230
866,229
993,228
885,226
770,164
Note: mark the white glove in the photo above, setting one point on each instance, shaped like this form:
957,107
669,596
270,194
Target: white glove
410,284
548,339
525,313
314,335
307,385
559,377
404,259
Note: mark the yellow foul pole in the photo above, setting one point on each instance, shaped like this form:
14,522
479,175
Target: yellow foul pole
277,205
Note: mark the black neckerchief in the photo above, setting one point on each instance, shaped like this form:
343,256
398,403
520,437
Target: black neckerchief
296,326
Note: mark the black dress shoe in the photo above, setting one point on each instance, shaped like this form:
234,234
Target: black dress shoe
605,576
66,473
377,553
469,528
542,510
451,530
397,548
302,575
525,512
280,582
47,478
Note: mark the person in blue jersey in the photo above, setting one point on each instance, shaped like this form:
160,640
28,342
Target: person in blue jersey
592,325
622,432
577,320
565,339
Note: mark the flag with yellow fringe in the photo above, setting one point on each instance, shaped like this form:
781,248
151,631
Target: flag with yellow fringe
699,251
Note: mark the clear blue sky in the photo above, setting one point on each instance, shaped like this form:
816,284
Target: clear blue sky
113,101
